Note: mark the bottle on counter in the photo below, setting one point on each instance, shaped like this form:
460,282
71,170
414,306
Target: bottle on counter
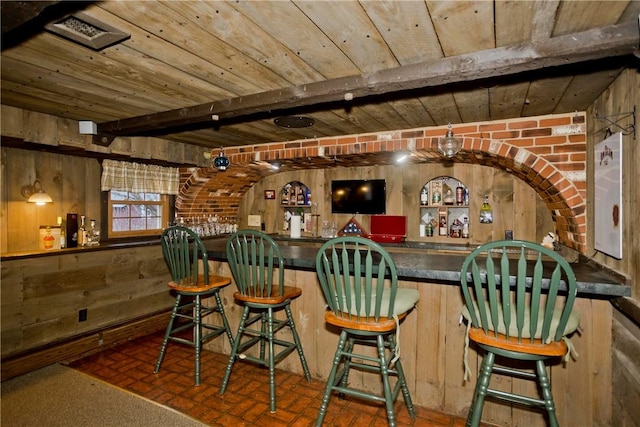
82,232
486,213
94,233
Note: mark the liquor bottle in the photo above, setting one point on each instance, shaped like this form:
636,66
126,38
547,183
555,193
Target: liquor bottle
285,196
82,232
424,196
429,229
442,229
459,195
300,196
436,198
94,233
486,213
448,198
465,228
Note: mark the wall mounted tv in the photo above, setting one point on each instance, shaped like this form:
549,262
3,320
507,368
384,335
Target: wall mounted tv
358,196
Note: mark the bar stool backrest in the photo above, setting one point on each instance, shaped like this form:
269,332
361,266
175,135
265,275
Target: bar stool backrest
508,289
256,263
182,250
358,278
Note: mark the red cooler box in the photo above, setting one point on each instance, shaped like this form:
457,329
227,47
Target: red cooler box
388,228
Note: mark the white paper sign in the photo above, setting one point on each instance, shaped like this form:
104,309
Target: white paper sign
608,196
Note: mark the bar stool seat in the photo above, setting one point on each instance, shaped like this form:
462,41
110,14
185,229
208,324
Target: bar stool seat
186,256
257,266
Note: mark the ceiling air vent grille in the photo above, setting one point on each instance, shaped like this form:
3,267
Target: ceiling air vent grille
81,27
87,31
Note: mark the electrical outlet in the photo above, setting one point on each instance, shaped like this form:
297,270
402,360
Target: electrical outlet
253,221
508,234
82,315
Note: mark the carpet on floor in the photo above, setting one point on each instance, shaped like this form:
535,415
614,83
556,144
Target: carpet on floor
58,396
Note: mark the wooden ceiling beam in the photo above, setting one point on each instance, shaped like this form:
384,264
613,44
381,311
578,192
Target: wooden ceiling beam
610,41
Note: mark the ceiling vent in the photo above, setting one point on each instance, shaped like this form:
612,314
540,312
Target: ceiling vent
87,31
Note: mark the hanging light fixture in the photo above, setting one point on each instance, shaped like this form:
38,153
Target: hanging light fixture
35,194
449,146
221,162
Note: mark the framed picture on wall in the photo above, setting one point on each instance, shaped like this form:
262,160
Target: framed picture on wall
269,194
608,196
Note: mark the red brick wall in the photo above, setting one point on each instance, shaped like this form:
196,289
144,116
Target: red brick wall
546,152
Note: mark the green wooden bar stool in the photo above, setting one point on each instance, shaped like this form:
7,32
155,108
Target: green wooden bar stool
257,266
360,285
521,309
186,255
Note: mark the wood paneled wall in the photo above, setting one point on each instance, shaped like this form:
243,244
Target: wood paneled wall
72,182
41,296
621,98
516,206
432,347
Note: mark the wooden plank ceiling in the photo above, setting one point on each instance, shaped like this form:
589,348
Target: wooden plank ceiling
217,73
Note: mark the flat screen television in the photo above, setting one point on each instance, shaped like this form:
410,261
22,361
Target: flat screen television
358,196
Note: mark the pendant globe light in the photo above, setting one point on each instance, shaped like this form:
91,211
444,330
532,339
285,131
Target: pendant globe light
221,162
449,146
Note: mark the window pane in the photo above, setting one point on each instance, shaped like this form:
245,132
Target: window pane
138,224
137,211
121,224
136,197
118,195
153,210
152,197
120,211
154,223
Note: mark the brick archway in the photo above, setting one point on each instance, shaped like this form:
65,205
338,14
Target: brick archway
529,149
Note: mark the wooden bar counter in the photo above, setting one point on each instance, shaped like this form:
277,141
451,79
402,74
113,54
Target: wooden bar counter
124,288
432,337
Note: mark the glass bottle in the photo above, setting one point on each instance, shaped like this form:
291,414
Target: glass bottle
424,196
429,229
82,232
465,228
448,198
436,198
486,213
94,233
459,195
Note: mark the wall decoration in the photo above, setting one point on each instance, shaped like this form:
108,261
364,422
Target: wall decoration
608,196
269,194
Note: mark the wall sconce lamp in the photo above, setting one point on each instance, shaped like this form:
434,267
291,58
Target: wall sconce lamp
221,162
449,146
276,166
35,194
402,157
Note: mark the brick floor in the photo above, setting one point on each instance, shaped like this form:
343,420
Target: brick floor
246,400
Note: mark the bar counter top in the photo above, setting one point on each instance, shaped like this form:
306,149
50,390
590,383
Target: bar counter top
418,261
434,263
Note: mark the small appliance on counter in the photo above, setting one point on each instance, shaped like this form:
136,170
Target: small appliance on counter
388,228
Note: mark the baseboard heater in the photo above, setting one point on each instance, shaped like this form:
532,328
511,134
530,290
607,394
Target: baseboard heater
81,345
